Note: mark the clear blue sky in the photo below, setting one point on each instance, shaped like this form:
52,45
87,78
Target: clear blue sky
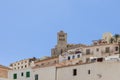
28,27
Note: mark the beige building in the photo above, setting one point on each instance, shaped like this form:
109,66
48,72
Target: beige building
23,64
4,71
22,70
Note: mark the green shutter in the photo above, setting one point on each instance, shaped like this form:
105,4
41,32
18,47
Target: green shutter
27,74
36,77
14,76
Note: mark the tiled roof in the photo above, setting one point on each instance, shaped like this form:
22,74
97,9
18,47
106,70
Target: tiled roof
1,66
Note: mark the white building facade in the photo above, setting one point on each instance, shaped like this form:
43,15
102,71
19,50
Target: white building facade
92,71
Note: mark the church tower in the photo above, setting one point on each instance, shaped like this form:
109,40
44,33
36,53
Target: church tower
61,44
61,38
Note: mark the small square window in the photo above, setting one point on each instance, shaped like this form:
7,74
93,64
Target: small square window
73,57
97,49
25,66
78,56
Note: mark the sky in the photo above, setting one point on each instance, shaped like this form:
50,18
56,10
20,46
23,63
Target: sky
28,28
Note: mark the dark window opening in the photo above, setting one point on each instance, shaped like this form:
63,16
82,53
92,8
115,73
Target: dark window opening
42,64
97,49
116,48
74,72
69,58
107,49
99,59
14,76
55,61
25,66
22,74
73,57
61,51
87,51
88,71
36,77
77,52
78,56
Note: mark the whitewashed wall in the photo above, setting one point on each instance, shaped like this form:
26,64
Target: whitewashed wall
46,73
18,72
98,71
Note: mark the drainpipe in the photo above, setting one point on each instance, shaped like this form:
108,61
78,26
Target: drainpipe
119,48
56,73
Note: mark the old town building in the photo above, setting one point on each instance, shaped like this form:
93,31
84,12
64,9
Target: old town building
98,61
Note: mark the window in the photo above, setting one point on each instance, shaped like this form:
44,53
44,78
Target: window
68,57
22,74
97,49
42,64
88,71
73,57
15,76
55,61
36,77
18,63
25,61
27,74
87,51
77,52
61,35
74,72
60,39
78,56
116,48
25,66
21,67
100,59
107,49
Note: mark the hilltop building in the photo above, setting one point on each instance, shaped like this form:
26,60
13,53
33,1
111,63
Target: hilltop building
99,61
22,64
62,44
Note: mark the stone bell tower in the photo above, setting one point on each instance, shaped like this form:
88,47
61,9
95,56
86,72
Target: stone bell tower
61,39
61,44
